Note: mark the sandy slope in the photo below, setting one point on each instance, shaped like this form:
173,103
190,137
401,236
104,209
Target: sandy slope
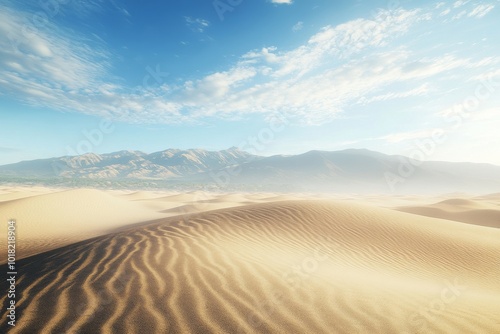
51,218
287,267
11,193
484,211
55,219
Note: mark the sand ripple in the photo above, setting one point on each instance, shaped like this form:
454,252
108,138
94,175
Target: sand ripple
288,267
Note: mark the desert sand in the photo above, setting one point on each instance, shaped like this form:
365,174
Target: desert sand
52,218
484,211
156,262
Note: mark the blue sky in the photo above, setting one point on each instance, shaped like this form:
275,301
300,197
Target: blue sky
418,78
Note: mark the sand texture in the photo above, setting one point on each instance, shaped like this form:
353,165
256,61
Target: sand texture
477,211
291,266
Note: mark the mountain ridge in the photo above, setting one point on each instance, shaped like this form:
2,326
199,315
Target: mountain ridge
350,170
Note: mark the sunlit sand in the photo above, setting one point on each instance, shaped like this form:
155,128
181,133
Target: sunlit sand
162,262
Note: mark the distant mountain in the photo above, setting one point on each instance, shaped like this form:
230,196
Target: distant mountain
350,170
363,171
129,164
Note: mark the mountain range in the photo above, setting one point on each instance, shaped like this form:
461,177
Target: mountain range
352,170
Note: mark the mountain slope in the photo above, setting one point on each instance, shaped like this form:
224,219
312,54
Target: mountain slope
352,170
367,171
129,164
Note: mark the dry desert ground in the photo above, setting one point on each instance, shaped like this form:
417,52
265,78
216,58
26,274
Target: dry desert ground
103,261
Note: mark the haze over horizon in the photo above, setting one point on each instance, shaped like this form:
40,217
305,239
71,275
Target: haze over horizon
291,76
76,154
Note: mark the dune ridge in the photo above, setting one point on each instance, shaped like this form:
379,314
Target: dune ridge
483,211
287,267
50,220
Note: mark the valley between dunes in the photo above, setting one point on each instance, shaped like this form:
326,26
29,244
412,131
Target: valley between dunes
92,261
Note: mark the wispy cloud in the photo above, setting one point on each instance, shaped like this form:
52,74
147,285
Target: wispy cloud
337,67
45,64
439,5
487,76
215,86
460,3
419,91
287,2
460,9
196,25
298,26
340,42
445,12
481,10
120,8
460,15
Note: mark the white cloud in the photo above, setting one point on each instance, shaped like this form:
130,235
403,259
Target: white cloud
419,91
427,67
460,3
314,83
319,97
490,77
445,12
215,86
340,42
481,10
464,8
125,12
49,67
459,15
196,25
45,57
287,2
439,5
298,26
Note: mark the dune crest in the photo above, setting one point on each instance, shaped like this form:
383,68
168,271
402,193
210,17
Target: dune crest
483,211
55,219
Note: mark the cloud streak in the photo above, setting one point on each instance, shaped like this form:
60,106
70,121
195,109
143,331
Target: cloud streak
481,10
197,25
281,2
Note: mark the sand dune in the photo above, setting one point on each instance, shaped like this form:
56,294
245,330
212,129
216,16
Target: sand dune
491,197
11,193
202,207
288,267
480,211
56,219
140,195
51,218
186,197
